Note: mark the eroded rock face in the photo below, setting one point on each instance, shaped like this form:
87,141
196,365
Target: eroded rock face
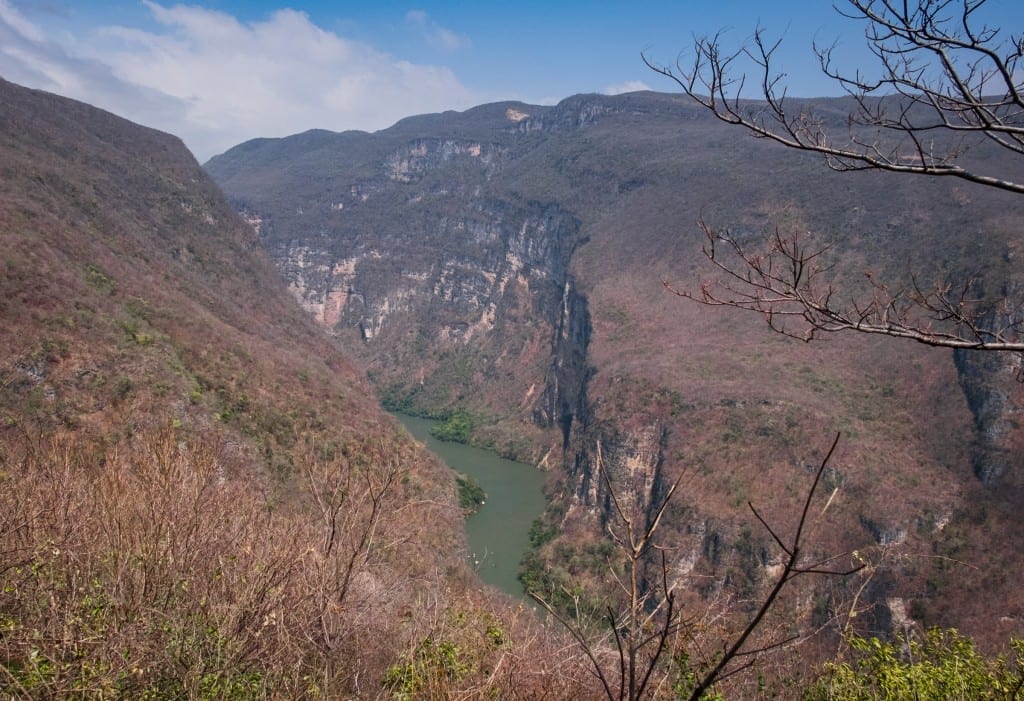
996,399
417,158
443,281
488,286
564,398
992,384
631,461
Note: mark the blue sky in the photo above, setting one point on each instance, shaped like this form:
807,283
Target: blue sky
218,72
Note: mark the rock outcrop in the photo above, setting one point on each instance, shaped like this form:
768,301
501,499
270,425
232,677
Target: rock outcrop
992,384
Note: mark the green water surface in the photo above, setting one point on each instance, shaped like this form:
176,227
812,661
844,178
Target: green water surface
498,533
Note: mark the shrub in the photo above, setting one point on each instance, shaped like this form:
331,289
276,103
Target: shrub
471,494
943,665
456,428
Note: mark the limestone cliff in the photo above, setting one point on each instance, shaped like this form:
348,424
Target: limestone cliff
992,384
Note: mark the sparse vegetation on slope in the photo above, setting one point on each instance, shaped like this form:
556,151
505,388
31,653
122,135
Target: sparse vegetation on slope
154,569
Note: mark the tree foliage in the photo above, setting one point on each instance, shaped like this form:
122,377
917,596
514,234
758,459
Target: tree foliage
942,664
456,428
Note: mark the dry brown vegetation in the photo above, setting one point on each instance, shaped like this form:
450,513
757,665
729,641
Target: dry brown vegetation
160,569
199,496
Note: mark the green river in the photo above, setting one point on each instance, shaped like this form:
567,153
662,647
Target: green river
498,533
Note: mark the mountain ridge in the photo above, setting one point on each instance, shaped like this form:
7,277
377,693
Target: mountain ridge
413,246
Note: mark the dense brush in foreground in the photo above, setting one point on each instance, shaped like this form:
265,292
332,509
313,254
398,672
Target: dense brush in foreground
151,570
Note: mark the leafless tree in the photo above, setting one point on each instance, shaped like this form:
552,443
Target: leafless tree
351,500
789,285
650,623
946,81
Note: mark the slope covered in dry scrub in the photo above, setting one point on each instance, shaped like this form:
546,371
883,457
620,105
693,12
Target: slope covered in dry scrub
199,497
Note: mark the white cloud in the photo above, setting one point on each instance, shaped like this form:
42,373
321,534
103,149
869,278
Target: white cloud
18,24
29,57
628,86
215,81
434,34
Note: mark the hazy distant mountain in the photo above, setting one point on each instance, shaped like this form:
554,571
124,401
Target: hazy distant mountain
507,263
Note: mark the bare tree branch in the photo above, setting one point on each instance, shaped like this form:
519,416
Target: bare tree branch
788,286
790,571
643,627
944,82
943,79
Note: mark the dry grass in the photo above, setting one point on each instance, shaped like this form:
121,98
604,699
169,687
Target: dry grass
156,570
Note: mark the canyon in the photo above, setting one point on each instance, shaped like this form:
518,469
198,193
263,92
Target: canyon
173,424
507,264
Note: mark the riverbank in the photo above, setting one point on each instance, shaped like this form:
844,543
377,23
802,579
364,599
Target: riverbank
498,533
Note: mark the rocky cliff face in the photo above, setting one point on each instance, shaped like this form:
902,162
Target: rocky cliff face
991,382
465,285
490,294
467,280
507,261
564,398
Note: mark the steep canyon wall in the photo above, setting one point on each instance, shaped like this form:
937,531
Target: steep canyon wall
507,262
